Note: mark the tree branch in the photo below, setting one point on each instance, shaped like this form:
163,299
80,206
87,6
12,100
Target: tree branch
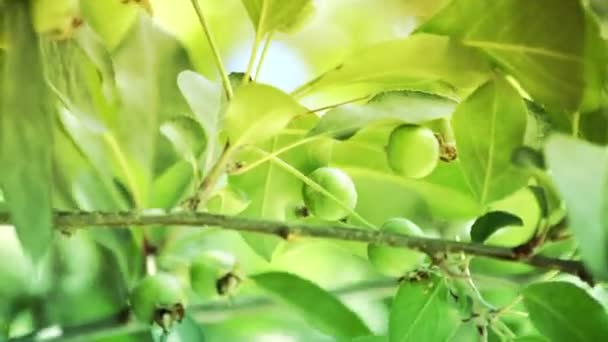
431,246
205,189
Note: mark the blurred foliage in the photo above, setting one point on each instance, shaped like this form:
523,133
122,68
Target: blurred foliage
117,105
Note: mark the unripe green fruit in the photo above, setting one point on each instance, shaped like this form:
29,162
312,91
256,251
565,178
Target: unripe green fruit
412,151
392,261
212,275
158,298
339,185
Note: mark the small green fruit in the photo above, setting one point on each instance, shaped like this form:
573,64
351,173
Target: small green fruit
212,275
158,298
413,151
396,262
338,184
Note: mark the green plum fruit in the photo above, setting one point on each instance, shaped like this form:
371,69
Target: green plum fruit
339,185
213,275
413,151
158,298
392,261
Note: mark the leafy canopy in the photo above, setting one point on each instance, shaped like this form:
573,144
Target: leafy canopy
113,114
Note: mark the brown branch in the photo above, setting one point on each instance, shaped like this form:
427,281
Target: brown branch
430,246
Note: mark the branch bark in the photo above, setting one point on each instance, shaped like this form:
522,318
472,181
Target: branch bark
435,248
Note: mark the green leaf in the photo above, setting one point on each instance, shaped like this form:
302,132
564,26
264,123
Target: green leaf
228,201
110,19
147,64
565,312
406,106
319,307
257,112
204,98
530,338
554,56
186,135
92,45
421,62
26,134
580,171
363,157
171,186
524,204
84,84
543,199
89,189
270,188
421,311
527,157
277,15
594,126
488,126
371,338
489,223
186,330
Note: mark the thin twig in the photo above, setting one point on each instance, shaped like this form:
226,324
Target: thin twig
206,187
270,155
331,106
259,35
302,177
305,88
258,69
214,49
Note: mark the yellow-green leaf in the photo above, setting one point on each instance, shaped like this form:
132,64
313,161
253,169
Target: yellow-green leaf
26,134
258,112
553,48
277,15
488,126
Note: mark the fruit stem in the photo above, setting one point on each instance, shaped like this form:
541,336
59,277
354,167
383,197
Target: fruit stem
259,35
274,154
214,49
258,69
306,87
357,99
206,187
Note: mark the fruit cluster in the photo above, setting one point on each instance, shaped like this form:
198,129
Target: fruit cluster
412,151
160,298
